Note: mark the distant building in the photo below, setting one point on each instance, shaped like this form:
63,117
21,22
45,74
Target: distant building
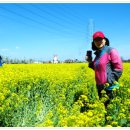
55,59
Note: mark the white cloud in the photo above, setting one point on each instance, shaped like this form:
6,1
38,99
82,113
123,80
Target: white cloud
17,47
4,49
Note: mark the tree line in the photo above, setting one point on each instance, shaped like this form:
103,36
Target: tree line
8,60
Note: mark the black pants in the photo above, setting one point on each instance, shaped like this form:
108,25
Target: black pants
108,92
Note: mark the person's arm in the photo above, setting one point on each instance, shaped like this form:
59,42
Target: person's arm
117,67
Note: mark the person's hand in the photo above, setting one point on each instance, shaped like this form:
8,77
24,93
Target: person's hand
115,86
88,58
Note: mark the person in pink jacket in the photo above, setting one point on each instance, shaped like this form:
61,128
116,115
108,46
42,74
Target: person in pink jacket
107,64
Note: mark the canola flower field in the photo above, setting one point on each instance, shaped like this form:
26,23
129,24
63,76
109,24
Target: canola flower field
60,95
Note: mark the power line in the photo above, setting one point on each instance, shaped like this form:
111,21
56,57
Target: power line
62,18
54,16
33,20
63,28
70,14
39,15
21,22
15,20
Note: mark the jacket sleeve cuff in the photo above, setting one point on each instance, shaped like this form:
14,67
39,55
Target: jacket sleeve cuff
90,65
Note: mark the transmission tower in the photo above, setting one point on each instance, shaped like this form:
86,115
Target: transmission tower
90,30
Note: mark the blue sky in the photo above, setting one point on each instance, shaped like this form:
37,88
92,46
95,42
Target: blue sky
40,30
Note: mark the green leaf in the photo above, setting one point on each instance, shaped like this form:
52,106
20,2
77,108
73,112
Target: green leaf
128,125
123,121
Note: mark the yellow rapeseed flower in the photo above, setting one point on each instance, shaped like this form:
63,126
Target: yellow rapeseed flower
114,123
